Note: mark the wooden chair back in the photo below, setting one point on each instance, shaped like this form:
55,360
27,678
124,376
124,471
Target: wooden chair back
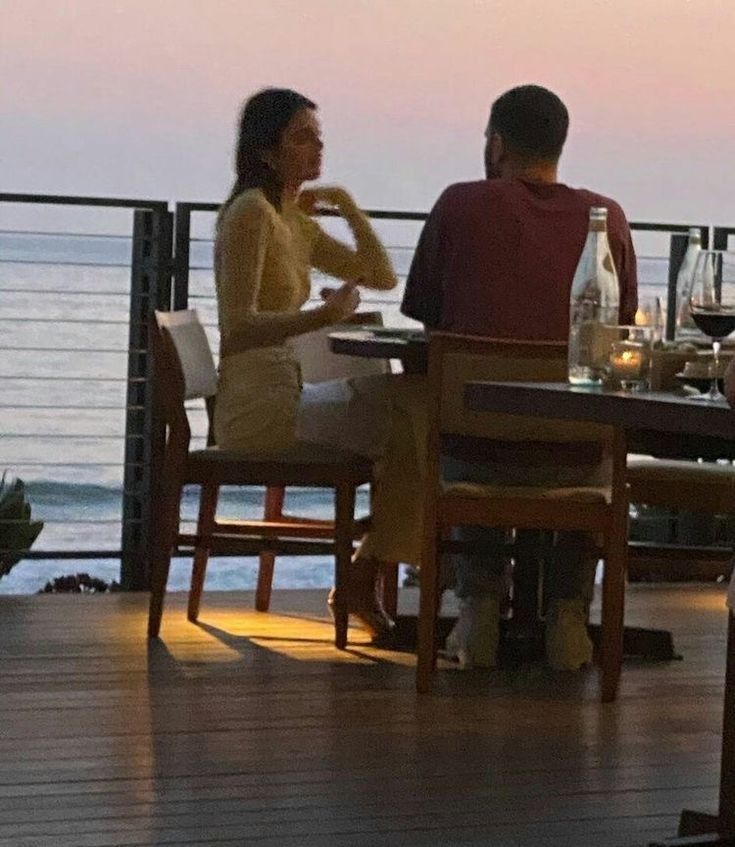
455,360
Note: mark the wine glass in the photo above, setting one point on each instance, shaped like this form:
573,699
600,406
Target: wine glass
712,305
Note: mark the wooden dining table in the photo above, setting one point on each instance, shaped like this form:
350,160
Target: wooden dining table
409,346
645,419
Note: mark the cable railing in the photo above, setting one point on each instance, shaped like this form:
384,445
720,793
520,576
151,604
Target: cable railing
75,394
69,373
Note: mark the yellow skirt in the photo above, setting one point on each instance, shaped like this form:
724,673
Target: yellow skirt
262,407
257,402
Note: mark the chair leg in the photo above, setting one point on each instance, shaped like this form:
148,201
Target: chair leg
389,583
274,497
344,516
165,526
428,608
613,608
205,526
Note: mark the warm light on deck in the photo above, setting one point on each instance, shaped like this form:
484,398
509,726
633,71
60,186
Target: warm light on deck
227,635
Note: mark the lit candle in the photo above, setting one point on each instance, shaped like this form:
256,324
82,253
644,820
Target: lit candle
627,359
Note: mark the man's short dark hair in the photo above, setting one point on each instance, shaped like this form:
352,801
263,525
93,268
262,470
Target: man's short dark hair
532,121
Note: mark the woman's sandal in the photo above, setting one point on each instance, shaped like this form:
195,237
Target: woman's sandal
363,601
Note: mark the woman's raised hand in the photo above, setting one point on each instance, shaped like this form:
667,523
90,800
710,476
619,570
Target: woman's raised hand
340,303
311,200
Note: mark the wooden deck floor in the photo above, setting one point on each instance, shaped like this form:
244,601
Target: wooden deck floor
252,729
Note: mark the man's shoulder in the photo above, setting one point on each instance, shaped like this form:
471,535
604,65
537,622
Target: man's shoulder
594,198
502,189
477,188
469,195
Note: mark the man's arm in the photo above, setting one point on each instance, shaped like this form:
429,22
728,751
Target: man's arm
423,295
627,267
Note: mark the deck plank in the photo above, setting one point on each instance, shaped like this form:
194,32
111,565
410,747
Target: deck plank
251,728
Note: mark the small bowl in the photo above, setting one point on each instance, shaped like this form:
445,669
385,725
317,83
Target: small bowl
701,383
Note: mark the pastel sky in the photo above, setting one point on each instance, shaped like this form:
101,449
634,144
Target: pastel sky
140,97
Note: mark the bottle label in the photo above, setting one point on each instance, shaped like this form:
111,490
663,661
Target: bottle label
591,332
594,343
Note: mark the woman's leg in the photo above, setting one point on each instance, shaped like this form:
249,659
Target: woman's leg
396,528
353,415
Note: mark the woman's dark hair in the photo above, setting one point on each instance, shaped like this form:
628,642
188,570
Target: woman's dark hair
263,120
532,121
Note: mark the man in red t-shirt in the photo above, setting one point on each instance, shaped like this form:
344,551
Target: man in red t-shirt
496,258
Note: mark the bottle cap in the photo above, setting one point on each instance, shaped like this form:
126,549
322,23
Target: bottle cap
695,232
598,213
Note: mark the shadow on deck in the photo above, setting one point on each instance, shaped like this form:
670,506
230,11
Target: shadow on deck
252,729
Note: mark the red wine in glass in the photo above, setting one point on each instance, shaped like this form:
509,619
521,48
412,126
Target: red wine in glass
712,306
717,321
717,324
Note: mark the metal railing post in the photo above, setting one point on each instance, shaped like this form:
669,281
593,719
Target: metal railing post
150,289
721,236
182,255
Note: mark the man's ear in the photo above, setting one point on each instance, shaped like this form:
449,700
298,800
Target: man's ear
494,152
497,147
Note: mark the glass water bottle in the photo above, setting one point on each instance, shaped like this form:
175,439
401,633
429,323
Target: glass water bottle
594,305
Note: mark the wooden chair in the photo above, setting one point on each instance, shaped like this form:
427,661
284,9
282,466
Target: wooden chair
706,488
678,484
319,364
454,360
184,370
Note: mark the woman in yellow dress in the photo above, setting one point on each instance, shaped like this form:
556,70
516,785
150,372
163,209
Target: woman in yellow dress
266,244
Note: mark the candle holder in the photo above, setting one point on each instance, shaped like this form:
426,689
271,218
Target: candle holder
630,357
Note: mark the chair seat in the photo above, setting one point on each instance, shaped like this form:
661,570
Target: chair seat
304,463
704,487
670,470
578,494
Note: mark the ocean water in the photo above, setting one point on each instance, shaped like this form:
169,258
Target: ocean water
63,347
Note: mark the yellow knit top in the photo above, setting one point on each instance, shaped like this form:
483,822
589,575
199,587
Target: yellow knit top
263,259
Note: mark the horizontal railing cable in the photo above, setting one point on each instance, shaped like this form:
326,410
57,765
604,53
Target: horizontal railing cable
80,464
70,408
115,350
64,263
60,292
60,436
34,378
79,321
39,233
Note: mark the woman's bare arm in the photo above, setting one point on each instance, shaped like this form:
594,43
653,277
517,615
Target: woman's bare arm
368,263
